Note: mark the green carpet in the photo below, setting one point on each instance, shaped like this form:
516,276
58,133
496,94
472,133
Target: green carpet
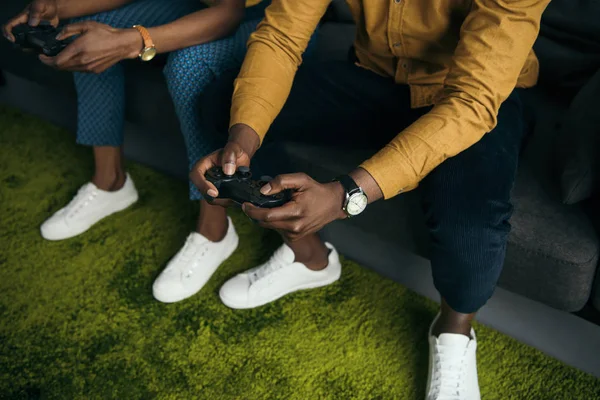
78,321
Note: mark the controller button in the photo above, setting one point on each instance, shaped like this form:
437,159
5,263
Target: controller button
244,171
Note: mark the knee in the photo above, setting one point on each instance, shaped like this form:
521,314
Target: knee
187,72
466,227
467,251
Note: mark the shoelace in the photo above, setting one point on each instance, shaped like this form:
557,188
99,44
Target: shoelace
449,375
187,253
274,264
84,196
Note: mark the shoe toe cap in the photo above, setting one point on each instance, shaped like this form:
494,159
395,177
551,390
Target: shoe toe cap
55,228
235,292
168,289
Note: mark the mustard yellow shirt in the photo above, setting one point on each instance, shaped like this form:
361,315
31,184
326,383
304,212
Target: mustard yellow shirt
464,57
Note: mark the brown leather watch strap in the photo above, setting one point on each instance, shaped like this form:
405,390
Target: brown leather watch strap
145,35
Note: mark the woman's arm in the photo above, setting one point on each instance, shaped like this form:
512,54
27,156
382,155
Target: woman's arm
203,26
100,46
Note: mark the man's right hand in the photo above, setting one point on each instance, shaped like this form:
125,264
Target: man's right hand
241,146
36,11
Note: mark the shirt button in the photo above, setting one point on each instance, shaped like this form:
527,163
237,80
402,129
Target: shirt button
404,66
397,44
397,1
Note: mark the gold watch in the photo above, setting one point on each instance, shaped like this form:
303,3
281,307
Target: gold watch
149,51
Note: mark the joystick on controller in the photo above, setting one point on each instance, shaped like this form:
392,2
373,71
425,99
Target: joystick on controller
41,38
240,188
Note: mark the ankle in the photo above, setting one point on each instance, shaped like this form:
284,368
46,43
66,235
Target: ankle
316,260
214,229
452,327
110,181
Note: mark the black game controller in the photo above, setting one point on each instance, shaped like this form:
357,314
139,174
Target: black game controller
41,38
240,188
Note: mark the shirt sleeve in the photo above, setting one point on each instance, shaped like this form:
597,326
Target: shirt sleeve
495,41
274,55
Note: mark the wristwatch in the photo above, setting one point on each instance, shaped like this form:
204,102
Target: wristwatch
149,51
356,199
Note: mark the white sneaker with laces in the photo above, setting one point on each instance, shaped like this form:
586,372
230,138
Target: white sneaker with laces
89,206
279,276
190,269
452,367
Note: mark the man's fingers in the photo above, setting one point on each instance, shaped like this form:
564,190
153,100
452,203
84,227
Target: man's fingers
286,181
286,212
18,20
229,157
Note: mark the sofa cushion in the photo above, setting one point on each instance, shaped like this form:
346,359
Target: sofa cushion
578,145
568,46
553,248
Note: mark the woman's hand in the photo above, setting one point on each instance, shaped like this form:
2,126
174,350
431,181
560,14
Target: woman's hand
38,10
313,205
98,47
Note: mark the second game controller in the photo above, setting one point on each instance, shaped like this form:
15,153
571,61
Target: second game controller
41,38
241,188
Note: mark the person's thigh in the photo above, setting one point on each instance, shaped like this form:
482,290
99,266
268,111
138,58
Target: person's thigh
188,73
467,206
331,103
145,12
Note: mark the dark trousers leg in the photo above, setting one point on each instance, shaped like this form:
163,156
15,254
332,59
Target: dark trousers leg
466,199
467,206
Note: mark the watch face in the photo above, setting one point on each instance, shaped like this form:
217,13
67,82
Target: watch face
357,203
148,53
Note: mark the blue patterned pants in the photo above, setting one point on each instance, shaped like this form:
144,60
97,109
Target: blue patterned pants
101,97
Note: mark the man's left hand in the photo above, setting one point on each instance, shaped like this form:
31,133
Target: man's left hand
313,205
98,47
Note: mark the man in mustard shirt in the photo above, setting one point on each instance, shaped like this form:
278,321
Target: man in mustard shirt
433,87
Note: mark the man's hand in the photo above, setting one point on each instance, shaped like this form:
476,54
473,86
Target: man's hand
243,143
97,48
38,10
313,205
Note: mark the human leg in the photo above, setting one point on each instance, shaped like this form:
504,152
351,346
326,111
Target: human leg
467,206
101,110
326,99
101,97
188,72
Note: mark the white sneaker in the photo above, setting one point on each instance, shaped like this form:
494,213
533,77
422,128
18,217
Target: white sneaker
452,367
279,276
193,266
89,206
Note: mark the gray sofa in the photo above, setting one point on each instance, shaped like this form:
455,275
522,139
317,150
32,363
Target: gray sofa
552,254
